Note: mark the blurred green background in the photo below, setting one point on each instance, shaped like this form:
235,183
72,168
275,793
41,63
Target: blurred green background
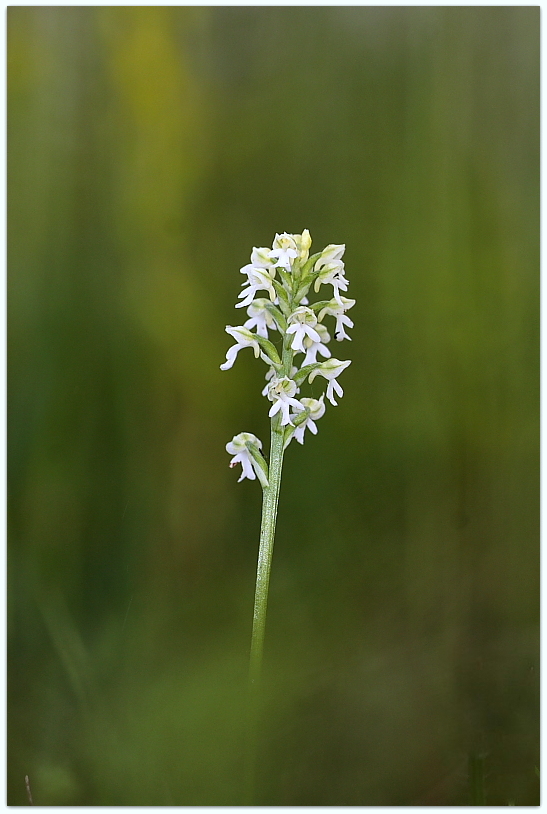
149,149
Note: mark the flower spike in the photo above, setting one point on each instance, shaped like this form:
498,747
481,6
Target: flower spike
287,274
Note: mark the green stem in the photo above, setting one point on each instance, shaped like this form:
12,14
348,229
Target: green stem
267,534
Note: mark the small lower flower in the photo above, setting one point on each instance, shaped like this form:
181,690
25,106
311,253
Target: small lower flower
330,370
244,339
238,448
281,392
316,408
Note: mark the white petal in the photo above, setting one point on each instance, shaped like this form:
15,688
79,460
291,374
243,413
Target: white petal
248,471
312,333
330,395
249,295
275,408
231,357
324,351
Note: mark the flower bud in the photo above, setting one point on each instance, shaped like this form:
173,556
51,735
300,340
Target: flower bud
303,243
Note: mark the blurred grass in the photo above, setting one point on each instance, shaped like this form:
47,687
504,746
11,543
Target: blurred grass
149,149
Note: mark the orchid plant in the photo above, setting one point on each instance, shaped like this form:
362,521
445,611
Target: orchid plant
287,273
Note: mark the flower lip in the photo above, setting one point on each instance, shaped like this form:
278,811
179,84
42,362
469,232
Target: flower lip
303,325
313,348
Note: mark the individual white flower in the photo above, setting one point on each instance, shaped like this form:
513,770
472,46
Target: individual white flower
330,254
284,250
244,339
281,392
238,448
260,318
316,409
260,258
338,309
330,370
333,274
302,323
271,373
258,279
313,348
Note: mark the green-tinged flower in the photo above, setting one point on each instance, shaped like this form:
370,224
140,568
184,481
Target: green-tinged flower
316,410
281,392
330,370
302,323
284,250
333,274
260,318
331,254
338,308
260,258
242,447
244,339
258,279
